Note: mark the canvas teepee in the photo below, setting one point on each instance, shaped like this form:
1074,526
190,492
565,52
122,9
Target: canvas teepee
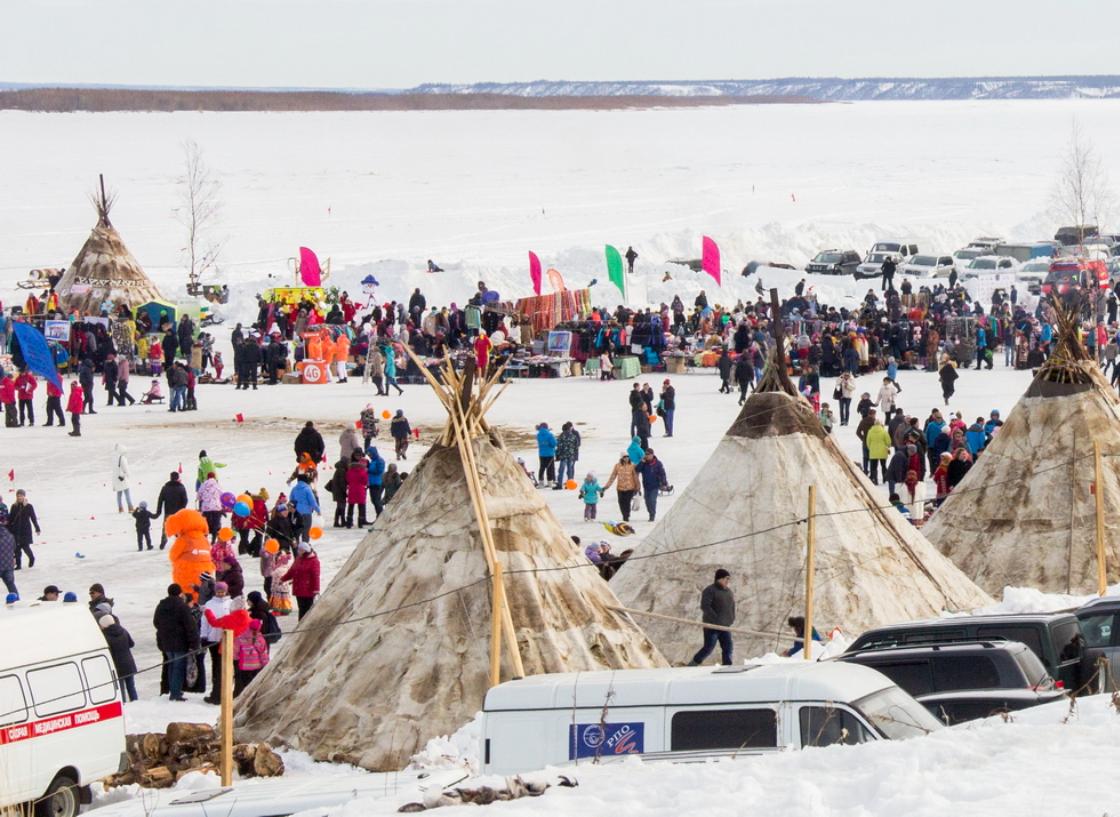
1024,515
373,691
104,269
872,566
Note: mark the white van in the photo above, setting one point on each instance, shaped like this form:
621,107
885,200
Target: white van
691,713
61,716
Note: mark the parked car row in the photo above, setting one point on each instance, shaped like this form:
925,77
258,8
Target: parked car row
984,255
894,682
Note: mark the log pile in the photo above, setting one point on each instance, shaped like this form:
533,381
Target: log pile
158,760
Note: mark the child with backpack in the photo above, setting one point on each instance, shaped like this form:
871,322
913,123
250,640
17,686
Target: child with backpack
250,655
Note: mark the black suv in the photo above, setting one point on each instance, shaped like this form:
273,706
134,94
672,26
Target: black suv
834,262
963,681
1054,637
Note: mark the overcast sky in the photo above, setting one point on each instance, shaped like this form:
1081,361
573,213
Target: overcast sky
400,43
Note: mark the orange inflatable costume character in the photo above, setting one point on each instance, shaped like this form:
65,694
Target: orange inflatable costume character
190,552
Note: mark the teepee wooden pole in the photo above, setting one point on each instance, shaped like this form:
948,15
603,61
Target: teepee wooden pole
457,423
810,556
1098,489
496,625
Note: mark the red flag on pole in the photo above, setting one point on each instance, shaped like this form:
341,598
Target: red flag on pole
12,475
710,259
535,272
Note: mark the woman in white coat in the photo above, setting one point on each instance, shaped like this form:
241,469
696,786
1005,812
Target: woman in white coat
121,477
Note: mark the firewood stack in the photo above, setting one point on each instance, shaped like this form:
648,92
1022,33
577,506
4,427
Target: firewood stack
159,760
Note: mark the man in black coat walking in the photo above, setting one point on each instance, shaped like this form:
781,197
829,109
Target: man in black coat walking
717,605
176,635
172,499
309,441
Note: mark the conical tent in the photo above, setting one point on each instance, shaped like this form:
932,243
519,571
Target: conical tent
872,566
376,669
104,270
1024,515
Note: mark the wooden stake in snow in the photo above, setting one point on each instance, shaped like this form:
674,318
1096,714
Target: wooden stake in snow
1098,489
227,708
810,552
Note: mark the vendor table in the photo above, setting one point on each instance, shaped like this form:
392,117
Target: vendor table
626,367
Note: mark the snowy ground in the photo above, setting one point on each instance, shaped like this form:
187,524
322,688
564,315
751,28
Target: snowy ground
384,192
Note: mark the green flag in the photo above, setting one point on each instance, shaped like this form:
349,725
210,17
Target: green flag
614,269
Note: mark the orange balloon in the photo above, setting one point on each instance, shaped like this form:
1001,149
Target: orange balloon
315,533
385,415
271,546
653,418
225,534
570,485
248,500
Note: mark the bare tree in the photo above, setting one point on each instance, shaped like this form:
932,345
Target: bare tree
1081,196
198,211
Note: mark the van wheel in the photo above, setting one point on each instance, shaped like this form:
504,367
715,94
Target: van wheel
61,799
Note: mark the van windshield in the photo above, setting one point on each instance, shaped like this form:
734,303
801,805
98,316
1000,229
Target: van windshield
886,246
896,714
829,258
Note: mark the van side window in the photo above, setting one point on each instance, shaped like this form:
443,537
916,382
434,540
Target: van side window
964,672
912,676
724,729
13,704
56,689
827,725
99,679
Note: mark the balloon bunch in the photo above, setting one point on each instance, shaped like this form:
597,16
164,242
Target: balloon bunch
242,507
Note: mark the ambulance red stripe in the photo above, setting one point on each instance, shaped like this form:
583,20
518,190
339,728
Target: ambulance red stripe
60,723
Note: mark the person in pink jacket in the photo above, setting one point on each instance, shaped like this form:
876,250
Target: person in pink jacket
356,480
250,655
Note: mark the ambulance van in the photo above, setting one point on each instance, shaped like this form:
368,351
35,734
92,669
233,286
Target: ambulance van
61,716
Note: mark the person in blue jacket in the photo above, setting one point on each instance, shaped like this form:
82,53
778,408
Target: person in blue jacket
993,423
975,437
546,451
376,471
653,477
305,502
798,625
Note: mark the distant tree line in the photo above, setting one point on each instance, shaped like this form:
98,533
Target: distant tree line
99,100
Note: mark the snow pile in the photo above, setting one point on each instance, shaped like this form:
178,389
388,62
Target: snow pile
459,750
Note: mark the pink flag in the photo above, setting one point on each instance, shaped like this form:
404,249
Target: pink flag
535,272
710,262
309,269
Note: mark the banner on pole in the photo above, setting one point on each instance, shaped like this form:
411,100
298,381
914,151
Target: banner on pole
710,259
614,269
535,272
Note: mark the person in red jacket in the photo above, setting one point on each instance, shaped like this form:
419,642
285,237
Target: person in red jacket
75,404
304,576
54,405
25,391
8,399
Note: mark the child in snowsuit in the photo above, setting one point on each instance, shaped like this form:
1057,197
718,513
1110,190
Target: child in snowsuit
143,519
590,492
